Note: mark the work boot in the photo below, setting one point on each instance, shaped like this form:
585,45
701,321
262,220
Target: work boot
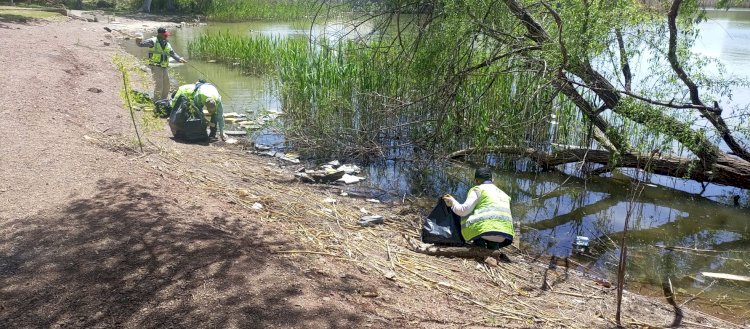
212,132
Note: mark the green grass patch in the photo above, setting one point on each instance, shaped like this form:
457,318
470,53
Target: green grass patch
24,15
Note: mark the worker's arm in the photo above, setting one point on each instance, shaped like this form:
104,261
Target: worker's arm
148,43
463,209
176,57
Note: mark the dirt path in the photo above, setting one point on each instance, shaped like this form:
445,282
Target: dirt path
96,235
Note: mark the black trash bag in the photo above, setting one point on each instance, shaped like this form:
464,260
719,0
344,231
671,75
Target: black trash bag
442,226
187,123
162,108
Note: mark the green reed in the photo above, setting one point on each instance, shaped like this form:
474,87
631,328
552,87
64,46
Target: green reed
350,97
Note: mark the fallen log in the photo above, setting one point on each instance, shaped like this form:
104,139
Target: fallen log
459,252
726,170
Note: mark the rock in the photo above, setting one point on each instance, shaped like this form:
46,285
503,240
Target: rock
243,193
350,179
94,90
231,141
491,261
304,177
363,210
390,275
334,163
267,153
371,220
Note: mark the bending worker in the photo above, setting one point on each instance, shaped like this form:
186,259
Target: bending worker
158,59
486,218
205,94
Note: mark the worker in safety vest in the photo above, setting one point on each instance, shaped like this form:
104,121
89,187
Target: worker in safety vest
486,220
158,59
202,94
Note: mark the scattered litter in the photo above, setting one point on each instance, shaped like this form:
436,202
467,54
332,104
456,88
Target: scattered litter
371,220
330,211
581,244
231,141
344,194
261,147
334,163
257,206
363,210
349,168
350,179
329,200
390,275
373,200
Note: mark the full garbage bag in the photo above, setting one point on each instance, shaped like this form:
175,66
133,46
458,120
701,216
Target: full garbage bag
442,226
187,122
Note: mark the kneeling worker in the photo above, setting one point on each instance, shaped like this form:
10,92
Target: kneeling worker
205,94
486,218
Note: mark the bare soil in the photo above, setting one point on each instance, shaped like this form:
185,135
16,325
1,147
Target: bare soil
96,234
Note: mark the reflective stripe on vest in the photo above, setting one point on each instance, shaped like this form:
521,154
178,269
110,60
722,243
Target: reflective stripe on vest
491,214
158,55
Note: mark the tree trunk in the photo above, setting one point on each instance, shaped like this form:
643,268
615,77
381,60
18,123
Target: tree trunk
146,6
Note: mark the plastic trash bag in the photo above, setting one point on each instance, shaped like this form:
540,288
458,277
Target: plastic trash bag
442,226
187,123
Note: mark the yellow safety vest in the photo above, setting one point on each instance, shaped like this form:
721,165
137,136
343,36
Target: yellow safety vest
157,55
491,214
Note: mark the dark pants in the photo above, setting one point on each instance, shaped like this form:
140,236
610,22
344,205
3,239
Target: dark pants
492,245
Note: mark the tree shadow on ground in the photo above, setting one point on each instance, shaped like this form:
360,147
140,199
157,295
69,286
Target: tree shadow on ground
130,257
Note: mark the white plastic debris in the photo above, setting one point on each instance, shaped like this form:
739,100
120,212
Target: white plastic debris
257,206
373,200
349,168
231,141
334,163
329,200
363,210
350,179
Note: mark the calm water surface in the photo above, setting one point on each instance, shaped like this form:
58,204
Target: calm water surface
553,208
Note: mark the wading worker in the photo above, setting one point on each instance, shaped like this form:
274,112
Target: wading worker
205,94
158,59
486,220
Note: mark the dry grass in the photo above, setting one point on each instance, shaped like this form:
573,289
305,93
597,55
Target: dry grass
508,295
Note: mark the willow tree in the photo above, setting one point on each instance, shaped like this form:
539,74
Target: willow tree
664,115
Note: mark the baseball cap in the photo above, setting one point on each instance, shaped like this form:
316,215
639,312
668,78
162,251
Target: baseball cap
163,31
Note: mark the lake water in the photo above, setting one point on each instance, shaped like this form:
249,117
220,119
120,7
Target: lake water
553,208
